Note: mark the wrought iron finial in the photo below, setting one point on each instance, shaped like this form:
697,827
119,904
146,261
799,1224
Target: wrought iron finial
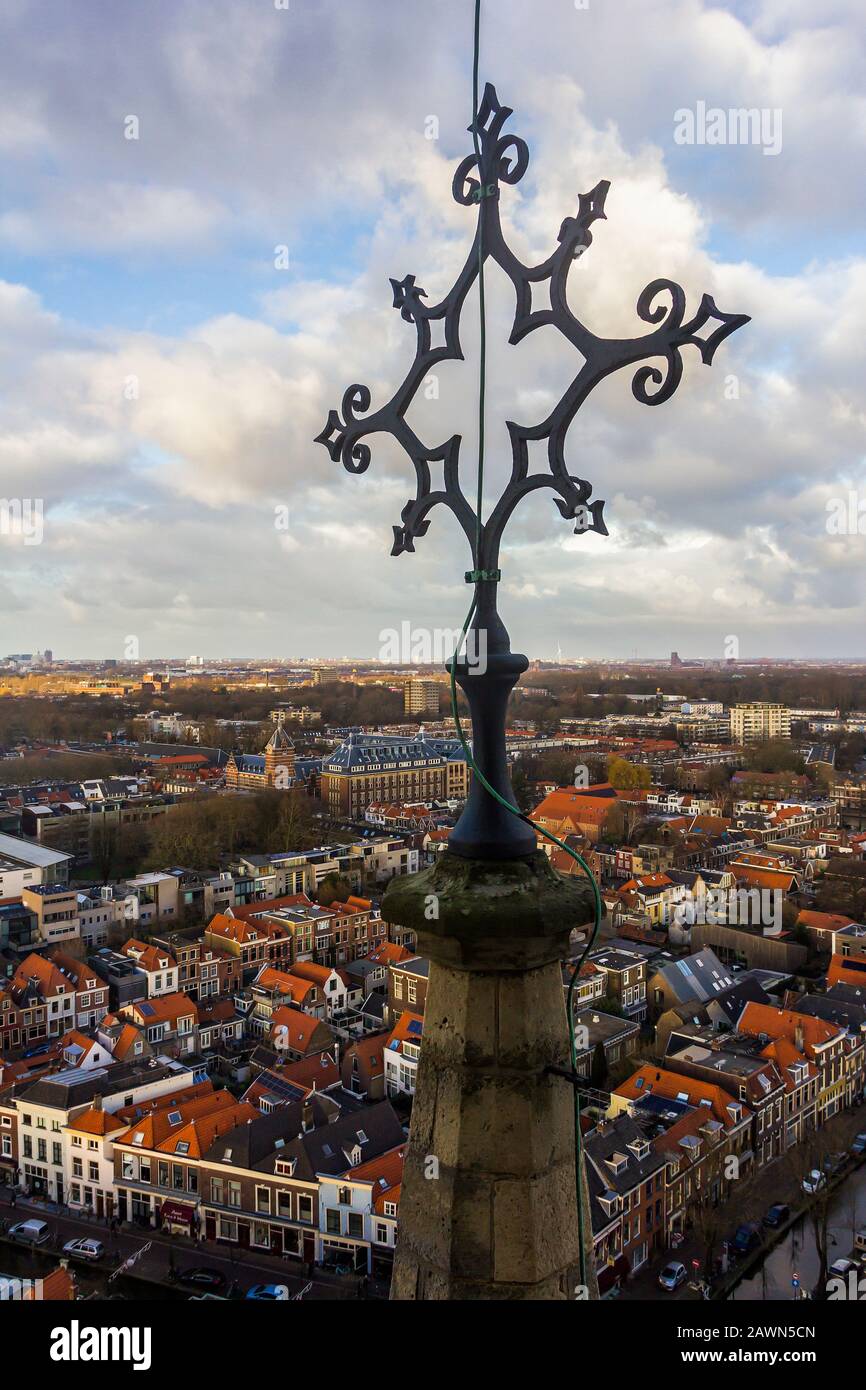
504,159
486,828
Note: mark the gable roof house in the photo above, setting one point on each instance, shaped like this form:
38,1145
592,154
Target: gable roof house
260,1188
169,1023
156,1162
362,1068
295,1034
159,967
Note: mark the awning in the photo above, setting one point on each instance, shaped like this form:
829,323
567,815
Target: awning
177,1211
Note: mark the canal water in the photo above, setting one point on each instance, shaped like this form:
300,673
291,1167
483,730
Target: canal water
796,1254
18,1263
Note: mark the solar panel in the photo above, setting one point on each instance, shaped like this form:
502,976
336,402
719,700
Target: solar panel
146,1009
415,1026
282,1089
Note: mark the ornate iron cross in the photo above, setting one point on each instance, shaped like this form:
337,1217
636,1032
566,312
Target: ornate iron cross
503,159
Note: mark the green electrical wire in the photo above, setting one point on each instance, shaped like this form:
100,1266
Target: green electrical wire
578,859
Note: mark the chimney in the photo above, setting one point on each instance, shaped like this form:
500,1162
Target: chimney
97,1102
799,1038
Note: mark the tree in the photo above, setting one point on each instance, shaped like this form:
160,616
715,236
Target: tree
104,845
333,888
609,1005
598,1071
625,775
802,1159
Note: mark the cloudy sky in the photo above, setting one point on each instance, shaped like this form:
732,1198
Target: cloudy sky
164,366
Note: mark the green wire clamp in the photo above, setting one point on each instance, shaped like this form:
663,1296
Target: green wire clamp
476,576
484,190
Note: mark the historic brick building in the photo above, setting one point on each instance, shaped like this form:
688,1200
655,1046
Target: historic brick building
275,767
380,767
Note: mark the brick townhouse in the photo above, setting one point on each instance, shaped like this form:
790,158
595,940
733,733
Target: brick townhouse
260,1185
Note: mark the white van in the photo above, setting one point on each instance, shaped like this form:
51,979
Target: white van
30,1232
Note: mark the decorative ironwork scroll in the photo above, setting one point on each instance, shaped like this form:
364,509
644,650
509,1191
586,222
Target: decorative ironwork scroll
478,180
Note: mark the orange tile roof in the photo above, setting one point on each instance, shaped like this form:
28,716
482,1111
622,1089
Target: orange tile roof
199,1089
400,1033
823,921
149,957
97,1122
294,1027
201,1131
308,970
757,1019
389,953
651,1080
350,906
763,878
243,914
42,973
316,1073
168,1009
372,1049
158,1131
647,881
785,1054
590,804
285,982
844,970
386,1175
125,1041
56,1287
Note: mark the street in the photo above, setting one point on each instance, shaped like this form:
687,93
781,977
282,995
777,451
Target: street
774,1183
149,1278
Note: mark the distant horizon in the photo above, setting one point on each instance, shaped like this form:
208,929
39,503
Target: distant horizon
177,662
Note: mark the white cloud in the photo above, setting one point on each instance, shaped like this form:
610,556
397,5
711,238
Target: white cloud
160,500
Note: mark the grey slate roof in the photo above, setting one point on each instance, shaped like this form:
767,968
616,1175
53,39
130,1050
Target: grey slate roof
373,752
375,1129
699,976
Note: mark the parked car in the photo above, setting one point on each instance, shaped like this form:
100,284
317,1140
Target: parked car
202,1277
747,1238
777,1215
814,1181
859,1145
30,1232
84,1249
672,1276
834,1163
840,1269
269,1293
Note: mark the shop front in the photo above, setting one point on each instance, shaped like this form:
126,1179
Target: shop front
177,1218
341,1254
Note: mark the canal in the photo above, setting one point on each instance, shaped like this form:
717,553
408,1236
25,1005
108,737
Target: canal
20,1263
796,1254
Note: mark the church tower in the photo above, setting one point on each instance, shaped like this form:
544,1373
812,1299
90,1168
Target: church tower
279,760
